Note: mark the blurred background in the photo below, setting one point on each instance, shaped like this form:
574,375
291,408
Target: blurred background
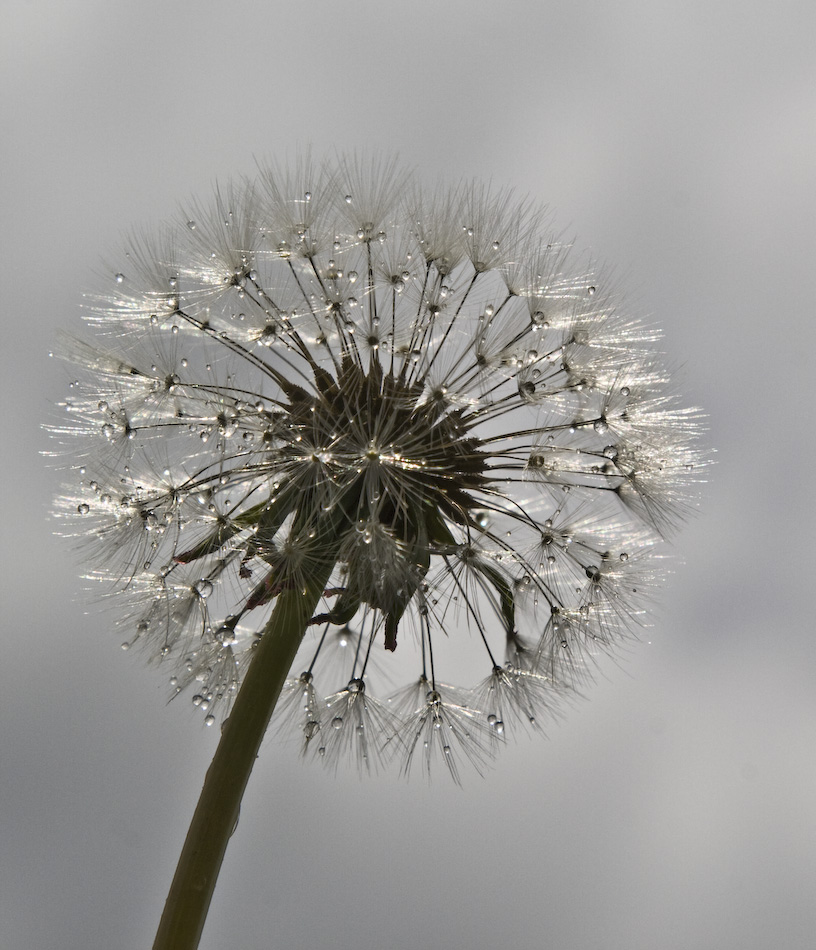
674,809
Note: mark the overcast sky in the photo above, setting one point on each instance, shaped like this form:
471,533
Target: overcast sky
676,808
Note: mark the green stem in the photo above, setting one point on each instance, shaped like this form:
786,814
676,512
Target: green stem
219,804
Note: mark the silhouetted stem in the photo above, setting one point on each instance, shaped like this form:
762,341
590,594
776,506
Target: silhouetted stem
218,806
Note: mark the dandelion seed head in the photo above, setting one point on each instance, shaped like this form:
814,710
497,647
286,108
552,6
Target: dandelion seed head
486,437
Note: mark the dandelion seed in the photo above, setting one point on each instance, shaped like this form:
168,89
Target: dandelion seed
410,399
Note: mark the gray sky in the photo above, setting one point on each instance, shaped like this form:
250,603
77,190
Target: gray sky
674,809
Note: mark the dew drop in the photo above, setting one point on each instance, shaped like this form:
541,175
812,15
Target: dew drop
84,508
624,556
347,199
310,729
120,278
337,722
625,390
601,426
481,518
191,225
125,645
209,719
203,588
591,291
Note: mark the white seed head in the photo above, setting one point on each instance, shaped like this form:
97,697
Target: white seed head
333,351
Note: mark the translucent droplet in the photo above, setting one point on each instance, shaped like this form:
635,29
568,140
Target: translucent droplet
337,722
492,719
191,225
209,719
499,727
203,588
125,645
84,508
481,518
600,425
311,728
108,430
347,199
226,634
590,291
120,278
625,390
624,556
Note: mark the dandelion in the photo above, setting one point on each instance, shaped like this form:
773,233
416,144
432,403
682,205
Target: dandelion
336,435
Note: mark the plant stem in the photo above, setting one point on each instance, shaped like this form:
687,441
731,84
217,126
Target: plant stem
219,803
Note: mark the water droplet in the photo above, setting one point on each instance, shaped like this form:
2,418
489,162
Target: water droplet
191,225
308,196
310,729
492,719
226,634
600,425
120,278
591,291
209,719
499,727
125,645
624,556
481,518
347,199
203,588
108,430
337,722
625,390
83,508
198,699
